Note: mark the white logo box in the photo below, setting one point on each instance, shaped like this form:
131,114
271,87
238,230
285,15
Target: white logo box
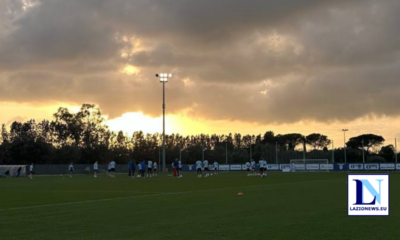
363,189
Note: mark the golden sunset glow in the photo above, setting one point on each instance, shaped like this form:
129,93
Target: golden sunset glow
130,70
137,121
185,125
23,111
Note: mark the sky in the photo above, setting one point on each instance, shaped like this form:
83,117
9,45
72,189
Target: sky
251,66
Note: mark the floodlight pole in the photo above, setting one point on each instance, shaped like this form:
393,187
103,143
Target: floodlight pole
395,148
163,139
262,151
363,151
202,152
251,154
159,156
226,152
163,77
180,152
333,153
345,146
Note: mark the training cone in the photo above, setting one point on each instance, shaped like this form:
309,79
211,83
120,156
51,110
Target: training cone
240,194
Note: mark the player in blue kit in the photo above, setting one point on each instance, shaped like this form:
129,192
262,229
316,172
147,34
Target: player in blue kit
175,165
131,171
142,168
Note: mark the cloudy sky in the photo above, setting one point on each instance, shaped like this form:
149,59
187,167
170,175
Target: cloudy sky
239,66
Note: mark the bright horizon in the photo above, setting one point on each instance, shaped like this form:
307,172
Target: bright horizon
184,125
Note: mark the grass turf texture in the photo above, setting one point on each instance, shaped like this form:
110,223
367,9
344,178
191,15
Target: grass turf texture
281,206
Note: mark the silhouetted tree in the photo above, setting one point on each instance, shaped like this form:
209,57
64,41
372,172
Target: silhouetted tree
370,140
83,137
269,137
388,152
318,141
291,140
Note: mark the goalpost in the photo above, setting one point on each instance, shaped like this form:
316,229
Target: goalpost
13,170
309,165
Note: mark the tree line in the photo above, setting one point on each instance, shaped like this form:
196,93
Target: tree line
83,137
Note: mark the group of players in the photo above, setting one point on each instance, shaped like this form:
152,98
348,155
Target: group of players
132,166
204,165
251,167
152,168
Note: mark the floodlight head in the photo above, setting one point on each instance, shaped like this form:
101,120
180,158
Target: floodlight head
163,76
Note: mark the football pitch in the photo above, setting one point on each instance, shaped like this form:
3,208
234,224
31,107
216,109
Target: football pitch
280,206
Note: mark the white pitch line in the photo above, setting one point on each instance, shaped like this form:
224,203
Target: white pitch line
156,195
79,191
86,201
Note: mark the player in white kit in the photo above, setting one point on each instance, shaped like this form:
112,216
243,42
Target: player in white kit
261,166
216,167
140,169
71,169
248,166
113,165
155,168
149,168
253,167
180,168
95,169
109,169
31,171
265,169
198,168
206,168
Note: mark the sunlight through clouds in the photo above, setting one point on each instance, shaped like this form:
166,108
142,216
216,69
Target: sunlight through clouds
137,121
130,70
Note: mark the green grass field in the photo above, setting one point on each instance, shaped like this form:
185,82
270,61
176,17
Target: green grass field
281,206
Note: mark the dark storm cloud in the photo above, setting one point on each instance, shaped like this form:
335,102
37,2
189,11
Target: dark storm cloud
259,61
